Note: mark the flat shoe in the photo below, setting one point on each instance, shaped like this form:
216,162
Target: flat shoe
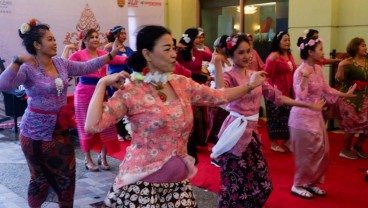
277,149
301,192
360,152
315,190
348,154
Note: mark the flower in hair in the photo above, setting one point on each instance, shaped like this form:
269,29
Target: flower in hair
231,42
25,28
186,38
80,35
32,22
301,47
311,42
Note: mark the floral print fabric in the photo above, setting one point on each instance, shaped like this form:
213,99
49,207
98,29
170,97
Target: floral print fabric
152,195
159,130
246,181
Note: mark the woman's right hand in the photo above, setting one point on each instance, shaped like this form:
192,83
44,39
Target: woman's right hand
257,78
116,46
317,106
116,80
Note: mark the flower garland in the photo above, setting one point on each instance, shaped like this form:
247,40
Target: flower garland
311,43
26,27
157,79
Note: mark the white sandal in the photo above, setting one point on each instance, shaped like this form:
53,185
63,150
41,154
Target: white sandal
315,190
301,192
277,148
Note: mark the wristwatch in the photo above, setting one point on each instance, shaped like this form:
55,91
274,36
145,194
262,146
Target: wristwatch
16,60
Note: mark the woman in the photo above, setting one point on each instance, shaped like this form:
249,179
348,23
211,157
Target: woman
118,35
280,67
156,167
312,33
44,136
199,41
255,61
217,114
353,112
106,140
307,128
245,179
192,59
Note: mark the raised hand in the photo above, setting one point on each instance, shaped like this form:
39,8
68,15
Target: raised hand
116,80
257,78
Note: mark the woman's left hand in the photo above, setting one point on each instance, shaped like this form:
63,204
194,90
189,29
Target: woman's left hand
350,92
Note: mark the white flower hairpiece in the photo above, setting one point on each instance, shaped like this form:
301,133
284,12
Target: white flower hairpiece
24,28
186,38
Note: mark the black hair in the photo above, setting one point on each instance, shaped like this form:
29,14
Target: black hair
190,34
146,39
85,35
113,32
233,42
222,41
275,46
309,34
35,34
306,46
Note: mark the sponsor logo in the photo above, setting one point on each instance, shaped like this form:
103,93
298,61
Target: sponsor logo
151,3
133,3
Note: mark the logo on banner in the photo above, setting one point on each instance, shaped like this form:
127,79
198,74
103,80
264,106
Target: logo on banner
133,3
5,6
151,3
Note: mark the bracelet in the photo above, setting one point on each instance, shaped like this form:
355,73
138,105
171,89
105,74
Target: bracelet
110,56
250,87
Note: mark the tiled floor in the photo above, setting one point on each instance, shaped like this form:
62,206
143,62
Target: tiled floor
91,187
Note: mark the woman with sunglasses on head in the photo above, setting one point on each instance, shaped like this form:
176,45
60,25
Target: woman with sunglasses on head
246,181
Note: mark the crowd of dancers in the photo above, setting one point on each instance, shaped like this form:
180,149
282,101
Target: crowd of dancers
168,98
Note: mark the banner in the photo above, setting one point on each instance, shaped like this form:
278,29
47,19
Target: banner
68,17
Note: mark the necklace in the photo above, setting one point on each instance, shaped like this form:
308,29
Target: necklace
156,79
161,94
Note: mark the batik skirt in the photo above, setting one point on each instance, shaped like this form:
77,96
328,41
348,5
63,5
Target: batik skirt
245,179
277,121
152,195
52,168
